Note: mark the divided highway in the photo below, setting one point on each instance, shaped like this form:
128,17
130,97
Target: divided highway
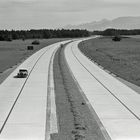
115,106
25,108
27,105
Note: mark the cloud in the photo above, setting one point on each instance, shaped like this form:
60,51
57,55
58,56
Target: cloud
50,13
122,1
55,5
22,1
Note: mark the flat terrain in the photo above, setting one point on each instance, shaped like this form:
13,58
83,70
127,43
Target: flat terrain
121,58
13,53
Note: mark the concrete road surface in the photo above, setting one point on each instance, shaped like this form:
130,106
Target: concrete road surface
115,106
25,103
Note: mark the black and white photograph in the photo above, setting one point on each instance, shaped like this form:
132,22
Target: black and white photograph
69,69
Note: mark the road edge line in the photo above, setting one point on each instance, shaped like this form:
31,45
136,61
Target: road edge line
101,126
50,104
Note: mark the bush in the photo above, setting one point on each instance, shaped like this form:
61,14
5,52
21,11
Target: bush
2,38
36,42
30,47
9,39
116,38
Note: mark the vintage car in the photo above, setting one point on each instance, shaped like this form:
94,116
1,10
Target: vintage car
23,73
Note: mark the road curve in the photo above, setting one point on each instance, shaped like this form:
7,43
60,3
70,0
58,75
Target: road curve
115,106
24,101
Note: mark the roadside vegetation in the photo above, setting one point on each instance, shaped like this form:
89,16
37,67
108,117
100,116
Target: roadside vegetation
114,32
121,58
6,35
17,45
12,53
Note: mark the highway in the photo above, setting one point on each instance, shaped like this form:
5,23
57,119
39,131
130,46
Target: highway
114,105
28,108
27,104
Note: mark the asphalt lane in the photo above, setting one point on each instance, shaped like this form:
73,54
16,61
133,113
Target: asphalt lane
115,104
23,101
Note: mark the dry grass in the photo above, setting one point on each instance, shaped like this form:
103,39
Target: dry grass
121,58
14,52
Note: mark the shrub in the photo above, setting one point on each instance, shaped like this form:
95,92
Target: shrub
2,38
9,39
30,47
36,42
116,38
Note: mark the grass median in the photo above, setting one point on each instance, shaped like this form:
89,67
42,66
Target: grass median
75,119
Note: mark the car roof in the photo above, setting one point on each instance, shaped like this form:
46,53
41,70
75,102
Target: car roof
22,70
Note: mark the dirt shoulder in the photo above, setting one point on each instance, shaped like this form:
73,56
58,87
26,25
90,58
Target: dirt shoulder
74,117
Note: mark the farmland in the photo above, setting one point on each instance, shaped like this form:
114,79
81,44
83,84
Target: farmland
121,58
16,51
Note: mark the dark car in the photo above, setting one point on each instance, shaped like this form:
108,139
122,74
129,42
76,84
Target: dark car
23,73
61,45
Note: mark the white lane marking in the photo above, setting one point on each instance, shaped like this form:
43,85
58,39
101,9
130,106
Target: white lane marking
19,118
51,122
119,123
99,123
10,80
53,116
102,128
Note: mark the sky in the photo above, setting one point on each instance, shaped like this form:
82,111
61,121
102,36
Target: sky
39,14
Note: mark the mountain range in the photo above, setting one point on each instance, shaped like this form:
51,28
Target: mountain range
117,23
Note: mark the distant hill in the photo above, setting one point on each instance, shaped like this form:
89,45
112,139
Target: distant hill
118,23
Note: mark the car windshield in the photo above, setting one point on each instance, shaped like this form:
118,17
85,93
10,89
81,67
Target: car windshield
23,70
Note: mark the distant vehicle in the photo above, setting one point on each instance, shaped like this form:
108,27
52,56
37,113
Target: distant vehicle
61,45
23,73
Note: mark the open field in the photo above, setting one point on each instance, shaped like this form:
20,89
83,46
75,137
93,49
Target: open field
121,58
135,36
12,53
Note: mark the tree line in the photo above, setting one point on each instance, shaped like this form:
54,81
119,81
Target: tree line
6,35
115,32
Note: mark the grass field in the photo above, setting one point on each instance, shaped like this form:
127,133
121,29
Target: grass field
122,58
16,51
